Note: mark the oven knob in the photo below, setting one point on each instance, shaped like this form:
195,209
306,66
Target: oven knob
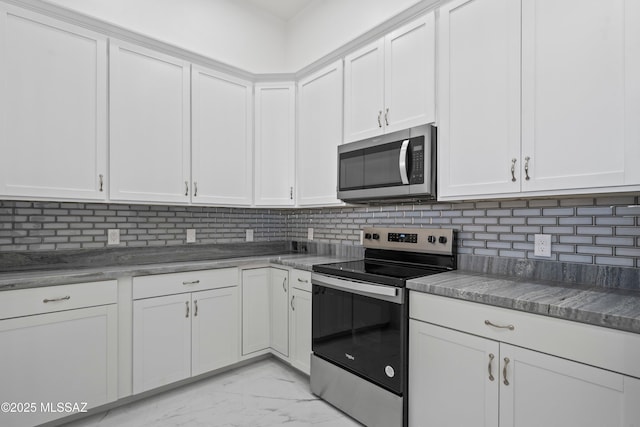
389,371
376,236
442,240
367,236
431,239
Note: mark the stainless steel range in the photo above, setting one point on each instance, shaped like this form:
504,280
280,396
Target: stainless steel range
361,320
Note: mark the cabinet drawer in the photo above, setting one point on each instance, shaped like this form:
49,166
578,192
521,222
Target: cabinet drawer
25,302
301,279
606,348
176,283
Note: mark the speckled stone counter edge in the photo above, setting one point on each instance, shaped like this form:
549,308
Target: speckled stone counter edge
612,308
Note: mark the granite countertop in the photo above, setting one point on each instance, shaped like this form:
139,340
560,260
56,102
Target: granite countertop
55,276
612,308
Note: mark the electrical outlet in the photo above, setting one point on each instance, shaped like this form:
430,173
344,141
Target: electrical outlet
191,235
113,237
249,235
310,233
542,245
361,237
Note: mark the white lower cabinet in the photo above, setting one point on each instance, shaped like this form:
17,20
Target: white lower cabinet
65,354
496,383
276,314
279,332
186,334
255,310
300,321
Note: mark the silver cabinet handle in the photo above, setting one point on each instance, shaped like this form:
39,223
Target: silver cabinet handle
402,162
284,284
292,306
379,118
386,117
513,169
504,370
186,188
195,189
46,300
193,282
302,280
526,167
491,357
290,193
101,182
195,305
509,327
187,303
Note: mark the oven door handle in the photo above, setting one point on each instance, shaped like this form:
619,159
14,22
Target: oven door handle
389,293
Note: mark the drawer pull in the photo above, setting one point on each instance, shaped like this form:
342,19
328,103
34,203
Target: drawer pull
193,282
509,327
302,280
504,371
46,300
491,357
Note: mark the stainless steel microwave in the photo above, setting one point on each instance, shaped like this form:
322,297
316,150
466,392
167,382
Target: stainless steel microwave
397,166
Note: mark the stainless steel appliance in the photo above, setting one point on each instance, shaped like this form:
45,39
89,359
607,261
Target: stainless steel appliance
398,166
360,321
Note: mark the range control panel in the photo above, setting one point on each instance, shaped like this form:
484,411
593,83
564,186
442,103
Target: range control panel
428,240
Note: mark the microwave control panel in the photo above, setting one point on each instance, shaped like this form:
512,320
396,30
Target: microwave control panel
416,150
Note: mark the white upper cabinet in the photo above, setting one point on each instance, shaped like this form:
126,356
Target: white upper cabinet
390,84
150,126
222,123
574,91
53,108
573,129
274,144
319,134
479,97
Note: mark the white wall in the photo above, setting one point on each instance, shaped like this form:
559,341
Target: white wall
326,25
223,30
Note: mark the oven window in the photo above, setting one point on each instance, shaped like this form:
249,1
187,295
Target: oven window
362,334
371,167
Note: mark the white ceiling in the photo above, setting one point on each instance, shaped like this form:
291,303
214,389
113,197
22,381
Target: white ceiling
283,9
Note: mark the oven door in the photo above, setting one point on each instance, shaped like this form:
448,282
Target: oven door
361,327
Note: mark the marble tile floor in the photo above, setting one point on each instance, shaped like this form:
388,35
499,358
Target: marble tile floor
264,394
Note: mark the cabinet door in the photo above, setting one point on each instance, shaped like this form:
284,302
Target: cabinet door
364,92
573,94
300,330
222,120
543,390
280,311
409,75
449,370
150,123
214,329
479,98
69,356
53,108
319,134
275,144
161,341
255,310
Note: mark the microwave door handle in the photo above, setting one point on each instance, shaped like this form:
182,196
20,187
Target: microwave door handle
402,162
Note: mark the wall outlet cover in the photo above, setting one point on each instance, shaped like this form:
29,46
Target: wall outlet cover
310,233
113,236
542,245
191,235
249,235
